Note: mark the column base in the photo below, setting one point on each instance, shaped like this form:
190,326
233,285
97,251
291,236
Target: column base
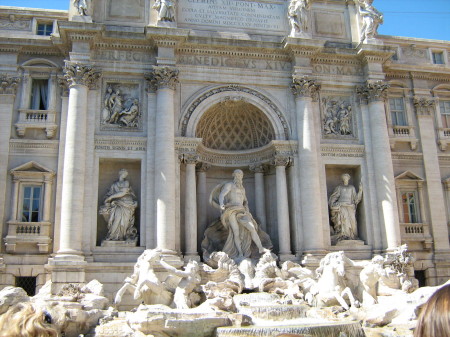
171,257
311,259
66,269
191,256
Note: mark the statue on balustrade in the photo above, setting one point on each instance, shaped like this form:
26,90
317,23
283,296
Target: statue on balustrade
118,210
343,202
166,10
371,19
81,6
298,16
237,233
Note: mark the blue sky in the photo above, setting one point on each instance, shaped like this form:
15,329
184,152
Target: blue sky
428,19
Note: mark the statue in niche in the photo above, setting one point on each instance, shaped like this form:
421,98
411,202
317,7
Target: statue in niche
337,117
118,210
237,233
81,6
343,202
371,18
298,16
120,111
166,10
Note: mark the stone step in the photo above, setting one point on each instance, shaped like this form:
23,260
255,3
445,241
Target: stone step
328,329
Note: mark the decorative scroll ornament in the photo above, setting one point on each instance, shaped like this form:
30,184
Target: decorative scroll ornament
373,91
202,166
64,85
258,168
423,105
304,87
81,74
8,85
162,77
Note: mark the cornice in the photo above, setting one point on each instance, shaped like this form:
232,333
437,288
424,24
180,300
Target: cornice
123,46
27,146
407,156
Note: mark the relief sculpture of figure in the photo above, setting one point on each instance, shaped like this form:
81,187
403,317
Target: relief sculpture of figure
81,6
298,16
166,10
371,18
119,207
241,228
343,202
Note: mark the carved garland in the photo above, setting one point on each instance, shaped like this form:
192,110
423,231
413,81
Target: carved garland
234,88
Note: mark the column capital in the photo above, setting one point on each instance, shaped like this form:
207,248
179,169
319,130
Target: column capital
81,74
162,77
189,158
373,90
424,106
8,84
280,160
258,168
302,86
202,166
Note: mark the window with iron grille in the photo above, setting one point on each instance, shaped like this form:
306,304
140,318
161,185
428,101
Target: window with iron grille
27,283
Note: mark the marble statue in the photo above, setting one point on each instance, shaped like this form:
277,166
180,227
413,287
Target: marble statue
119,208
369,278
371,18
331,288
343,202
81,6
243,232
166,10
143,283
190,280
298,16
120,111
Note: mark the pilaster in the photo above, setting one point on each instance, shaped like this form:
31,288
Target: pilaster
436,203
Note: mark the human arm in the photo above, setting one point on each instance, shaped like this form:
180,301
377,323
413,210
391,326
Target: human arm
224,191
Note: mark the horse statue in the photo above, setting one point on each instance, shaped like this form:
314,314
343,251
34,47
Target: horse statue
331,288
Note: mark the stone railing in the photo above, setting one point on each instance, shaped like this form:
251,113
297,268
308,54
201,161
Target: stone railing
405,134
28,233
418,232
36,119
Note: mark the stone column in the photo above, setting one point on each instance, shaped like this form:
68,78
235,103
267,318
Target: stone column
425,116
375,93
260,197
284,235
165,80
190,208
81,78
8,89
202,199
303,89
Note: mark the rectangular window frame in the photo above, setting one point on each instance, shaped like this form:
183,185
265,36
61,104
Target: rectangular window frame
23,200
44,28
408,216
444,110
396,112
39,97
437,57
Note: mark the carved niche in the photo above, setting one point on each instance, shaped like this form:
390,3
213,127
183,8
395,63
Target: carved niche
121,108
338,119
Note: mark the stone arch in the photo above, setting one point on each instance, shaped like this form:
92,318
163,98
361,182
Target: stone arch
201,103
40,62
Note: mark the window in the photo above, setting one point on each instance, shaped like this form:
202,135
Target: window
409,204
438,57
31,205
397,108
39,94
45,29
444,106
27,283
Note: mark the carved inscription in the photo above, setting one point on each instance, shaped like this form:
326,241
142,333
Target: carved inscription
230,62
233,14
123,55
337,69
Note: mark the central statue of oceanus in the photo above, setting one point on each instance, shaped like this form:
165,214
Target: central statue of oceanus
236,233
